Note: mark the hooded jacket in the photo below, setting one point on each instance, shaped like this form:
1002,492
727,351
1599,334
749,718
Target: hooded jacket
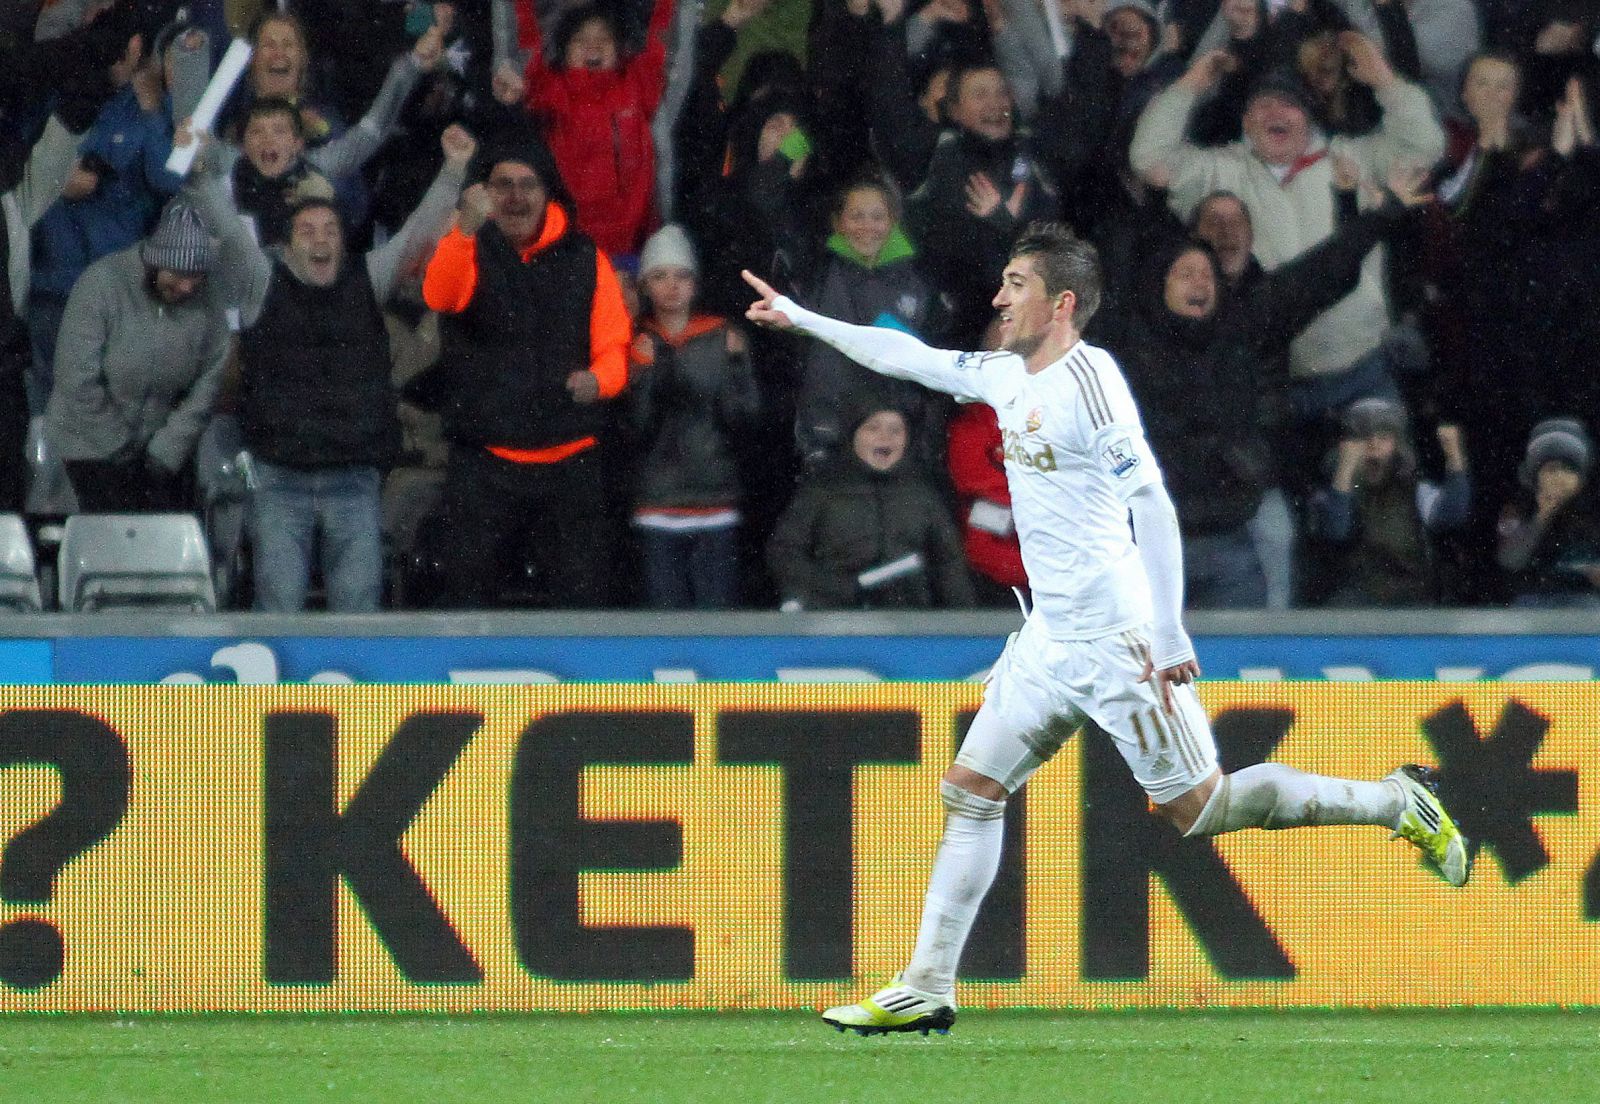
850,518
598,126
134,375
1198,381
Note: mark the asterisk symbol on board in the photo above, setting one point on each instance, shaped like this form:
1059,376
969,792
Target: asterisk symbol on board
1491,786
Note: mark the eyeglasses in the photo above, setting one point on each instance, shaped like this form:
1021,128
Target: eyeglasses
526,185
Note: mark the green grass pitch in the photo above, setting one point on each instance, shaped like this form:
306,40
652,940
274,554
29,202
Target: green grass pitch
1455,1057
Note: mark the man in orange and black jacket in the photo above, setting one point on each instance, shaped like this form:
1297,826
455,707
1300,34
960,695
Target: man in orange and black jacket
535,333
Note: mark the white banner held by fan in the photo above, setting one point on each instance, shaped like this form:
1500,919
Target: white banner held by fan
210,105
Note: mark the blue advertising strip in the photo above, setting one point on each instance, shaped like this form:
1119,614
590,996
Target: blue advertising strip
25,662
269,660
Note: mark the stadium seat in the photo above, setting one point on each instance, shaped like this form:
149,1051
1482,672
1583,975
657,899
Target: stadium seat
121,560
19,578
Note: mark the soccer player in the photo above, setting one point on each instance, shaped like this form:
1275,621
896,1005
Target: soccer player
1105,639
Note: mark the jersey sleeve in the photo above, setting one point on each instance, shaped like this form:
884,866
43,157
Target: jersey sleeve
895,353
1109,423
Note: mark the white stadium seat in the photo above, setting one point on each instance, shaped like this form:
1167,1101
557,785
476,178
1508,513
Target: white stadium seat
121,560
19,577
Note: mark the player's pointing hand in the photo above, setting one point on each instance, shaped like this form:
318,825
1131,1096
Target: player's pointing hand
762,312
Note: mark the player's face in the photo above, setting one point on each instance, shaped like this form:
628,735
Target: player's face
1191,286
1277,129
1025,307
880,441
865,222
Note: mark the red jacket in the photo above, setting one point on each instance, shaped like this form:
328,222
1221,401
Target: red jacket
978,470
598,127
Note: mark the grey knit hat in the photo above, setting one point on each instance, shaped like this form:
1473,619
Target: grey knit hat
1144,8
1561,439
1374,414
668,247
180,241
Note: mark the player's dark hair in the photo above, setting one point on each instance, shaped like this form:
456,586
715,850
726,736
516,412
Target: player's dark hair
1065,262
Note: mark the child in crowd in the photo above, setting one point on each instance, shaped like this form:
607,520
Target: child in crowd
866,275
596,104
1381,515
867,532
1550,543
693,403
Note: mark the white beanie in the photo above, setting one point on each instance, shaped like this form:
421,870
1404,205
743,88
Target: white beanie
668,247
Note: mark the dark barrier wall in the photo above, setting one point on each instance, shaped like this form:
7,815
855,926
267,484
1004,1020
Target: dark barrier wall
752,846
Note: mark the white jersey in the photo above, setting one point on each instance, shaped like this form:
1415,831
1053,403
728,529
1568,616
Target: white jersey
1075,451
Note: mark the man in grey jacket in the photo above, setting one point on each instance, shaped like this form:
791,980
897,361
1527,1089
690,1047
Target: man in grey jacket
138,366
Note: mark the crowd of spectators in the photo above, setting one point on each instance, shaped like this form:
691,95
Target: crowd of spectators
448,307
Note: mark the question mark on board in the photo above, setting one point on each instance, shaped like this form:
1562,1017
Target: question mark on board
95,783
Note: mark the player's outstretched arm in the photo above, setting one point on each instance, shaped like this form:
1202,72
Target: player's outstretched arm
1155,527
882,350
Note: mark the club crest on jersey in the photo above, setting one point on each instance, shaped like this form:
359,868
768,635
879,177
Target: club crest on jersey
1120,458
1035,419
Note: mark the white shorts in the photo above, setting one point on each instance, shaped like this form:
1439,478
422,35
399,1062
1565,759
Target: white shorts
1041,691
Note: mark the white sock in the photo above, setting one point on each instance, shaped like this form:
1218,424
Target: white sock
1271,795
963,870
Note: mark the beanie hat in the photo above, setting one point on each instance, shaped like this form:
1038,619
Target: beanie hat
862,402
1376,414
523,146
1142,7
1285,84
668,247
180,242
1561,439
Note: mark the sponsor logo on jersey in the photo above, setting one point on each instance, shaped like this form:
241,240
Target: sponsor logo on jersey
1120,458
1017,451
